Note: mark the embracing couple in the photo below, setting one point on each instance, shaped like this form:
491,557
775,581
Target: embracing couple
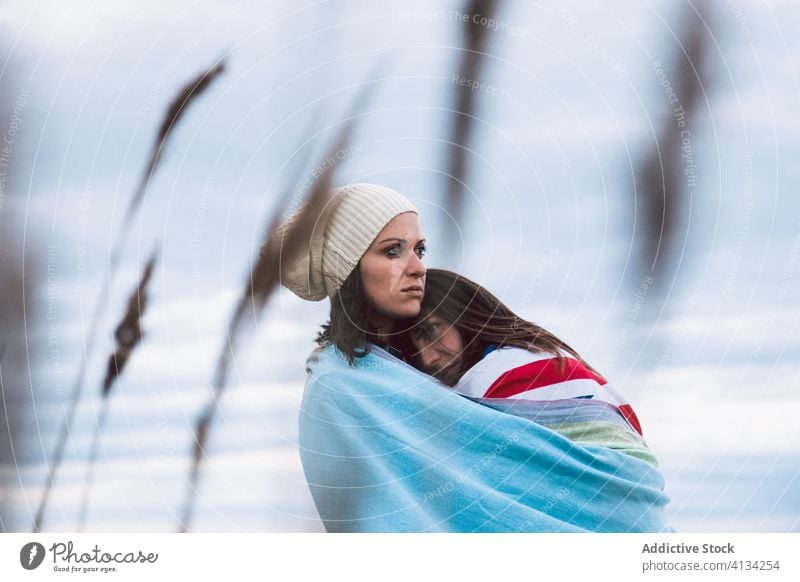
431,406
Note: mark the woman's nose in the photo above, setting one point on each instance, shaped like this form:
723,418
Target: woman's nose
415,266
429,356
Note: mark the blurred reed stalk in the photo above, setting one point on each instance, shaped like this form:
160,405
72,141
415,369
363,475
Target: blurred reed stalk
174,114
14,402
10,280
264,278
14,409
18,269
128,335
463,114
668,173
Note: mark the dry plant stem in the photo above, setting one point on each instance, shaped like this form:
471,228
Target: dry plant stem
263,280
463,117
175,112
88,479
128,336
662,197
18,280
267,286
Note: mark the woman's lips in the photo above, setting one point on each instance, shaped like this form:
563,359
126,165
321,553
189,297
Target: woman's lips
414,291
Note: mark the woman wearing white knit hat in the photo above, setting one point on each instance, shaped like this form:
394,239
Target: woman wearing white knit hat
385,448
365,254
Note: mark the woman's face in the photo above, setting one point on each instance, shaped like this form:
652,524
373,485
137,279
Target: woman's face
392,273
439,345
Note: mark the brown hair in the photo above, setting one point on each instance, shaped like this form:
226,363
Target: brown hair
481,319
348,327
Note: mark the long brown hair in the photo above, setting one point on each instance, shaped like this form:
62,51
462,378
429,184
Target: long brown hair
481,319
348,327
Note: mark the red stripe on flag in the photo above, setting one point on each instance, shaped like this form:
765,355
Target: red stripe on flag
539,374
630,416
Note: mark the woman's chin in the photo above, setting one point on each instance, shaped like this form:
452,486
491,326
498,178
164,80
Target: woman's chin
410,309
448,376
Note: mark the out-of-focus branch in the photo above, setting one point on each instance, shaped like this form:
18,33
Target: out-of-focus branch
667,176
128,335
462,119
174,113
264,278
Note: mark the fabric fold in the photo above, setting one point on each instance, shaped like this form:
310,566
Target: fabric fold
386,449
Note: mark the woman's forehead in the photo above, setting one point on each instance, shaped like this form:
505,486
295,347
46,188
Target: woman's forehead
432,317
404,226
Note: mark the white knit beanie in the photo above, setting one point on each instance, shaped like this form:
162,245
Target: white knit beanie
346,227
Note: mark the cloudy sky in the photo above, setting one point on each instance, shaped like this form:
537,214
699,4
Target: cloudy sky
567,108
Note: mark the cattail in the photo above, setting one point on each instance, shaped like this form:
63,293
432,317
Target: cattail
175,112
128,335
263,280
463,118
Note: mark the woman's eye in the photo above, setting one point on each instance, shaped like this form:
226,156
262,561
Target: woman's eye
420,250
425,334
393,251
